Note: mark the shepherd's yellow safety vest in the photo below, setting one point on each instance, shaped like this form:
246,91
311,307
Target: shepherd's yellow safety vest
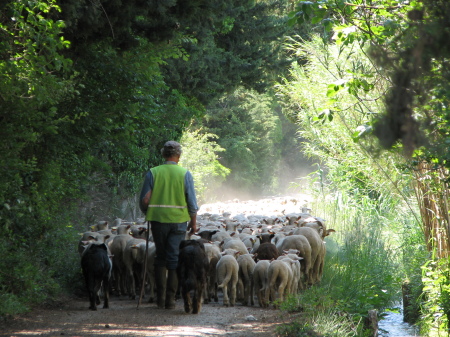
168,202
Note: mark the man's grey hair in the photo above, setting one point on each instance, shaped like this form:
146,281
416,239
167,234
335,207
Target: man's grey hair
170,149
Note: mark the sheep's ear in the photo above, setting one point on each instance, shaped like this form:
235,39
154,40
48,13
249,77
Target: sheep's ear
330,231
249,249
223,253
232,233
92,238
107,237
285,251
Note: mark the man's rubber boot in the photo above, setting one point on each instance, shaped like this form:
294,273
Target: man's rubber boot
171,289
160,280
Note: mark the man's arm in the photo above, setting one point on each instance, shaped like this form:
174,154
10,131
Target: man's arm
192,226
146,192
191,201
189,191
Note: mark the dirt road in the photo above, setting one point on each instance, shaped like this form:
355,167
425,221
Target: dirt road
123,318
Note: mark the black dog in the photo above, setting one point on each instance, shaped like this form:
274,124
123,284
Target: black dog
192,270
96,266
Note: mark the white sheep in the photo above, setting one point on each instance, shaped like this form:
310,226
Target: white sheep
302,244
260,281
279,278
150,269
245,281
317,252
294,263
235,244
227,275
214,255
130,261
221,236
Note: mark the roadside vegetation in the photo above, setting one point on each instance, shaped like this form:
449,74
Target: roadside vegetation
351,95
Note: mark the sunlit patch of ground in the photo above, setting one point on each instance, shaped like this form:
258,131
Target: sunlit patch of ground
123,319
162,330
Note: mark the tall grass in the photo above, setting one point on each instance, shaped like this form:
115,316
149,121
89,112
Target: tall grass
361,266
368,257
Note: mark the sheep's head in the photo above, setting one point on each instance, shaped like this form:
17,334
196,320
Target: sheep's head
318,224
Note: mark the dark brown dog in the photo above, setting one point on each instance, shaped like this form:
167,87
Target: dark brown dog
192,270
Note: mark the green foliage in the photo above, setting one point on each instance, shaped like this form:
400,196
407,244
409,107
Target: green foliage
250,131
363,252
295,329
350,103
71,132
435,308
200,157
239,45
407,42
324,324
334,116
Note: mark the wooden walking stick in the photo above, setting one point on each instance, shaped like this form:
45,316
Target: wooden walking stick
145,265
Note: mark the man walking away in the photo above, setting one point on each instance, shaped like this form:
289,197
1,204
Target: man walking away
169,202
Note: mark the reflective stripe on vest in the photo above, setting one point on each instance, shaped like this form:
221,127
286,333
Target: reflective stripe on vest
167,202
167,206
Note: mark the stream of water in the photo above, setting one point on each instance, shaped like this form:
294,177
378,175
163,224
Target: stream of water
392,325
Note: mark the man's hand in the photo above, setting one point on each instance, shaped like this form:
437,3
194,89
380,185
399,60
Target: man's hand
192,226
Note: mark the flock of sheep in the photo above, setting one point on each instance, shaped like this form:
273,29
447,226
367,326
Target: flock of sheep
248,256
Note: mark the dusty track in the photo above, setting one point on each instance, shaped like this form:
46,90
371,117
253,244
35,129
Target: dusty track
124,319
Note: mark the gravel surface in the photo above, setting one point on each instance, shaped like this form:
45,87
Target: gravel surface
124,318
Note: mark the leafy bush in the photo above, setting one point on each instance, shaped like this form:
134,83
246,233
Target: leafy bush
200,157
324,324
295,329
